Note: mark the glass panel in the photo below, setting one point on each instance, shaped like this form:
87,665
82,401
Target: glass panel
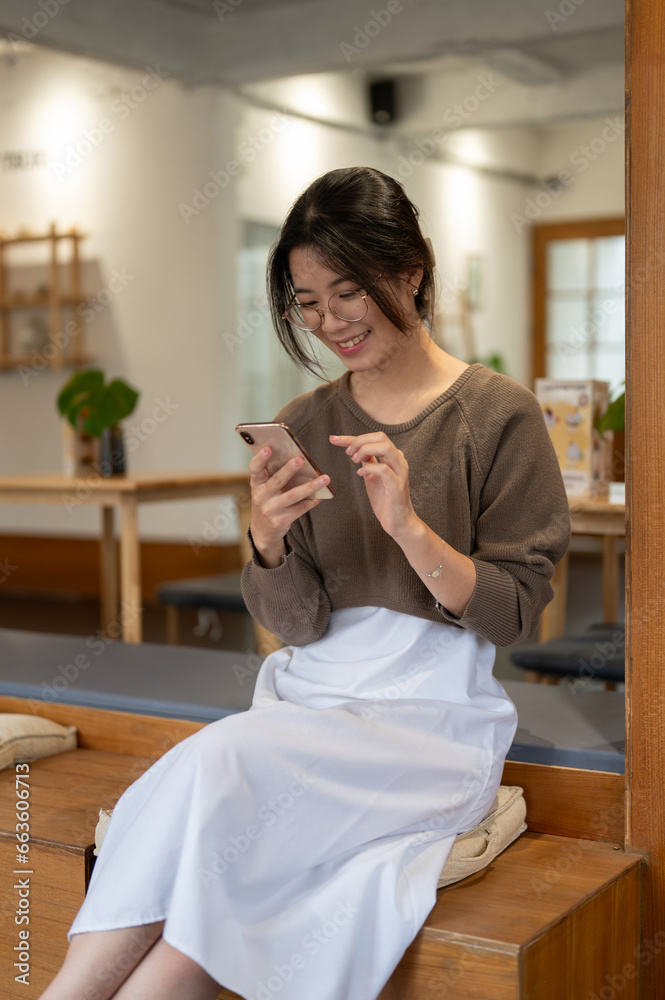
608,319
609,365
567,264
610,262
268,377
585,323
566,323
562,362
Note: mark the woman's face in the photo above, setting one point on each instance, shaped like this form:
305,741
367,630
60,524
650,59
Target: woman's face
314,284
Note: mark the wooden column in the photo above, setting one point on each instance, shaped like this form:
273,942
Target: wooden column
645,472
55,298
5,347
76,338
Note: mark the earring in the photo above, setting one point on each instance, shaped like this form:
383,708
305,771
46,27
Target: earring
414,290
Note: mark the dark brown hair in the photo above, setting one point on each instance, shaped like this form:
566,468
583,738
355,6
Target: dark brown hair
359,223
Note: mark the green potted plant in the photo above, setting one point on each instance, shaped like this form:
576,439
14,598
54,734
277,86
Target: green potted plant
94,408
614,417
493,361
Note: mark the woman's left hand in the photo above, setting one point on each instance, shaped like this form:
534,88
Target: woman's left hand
386,473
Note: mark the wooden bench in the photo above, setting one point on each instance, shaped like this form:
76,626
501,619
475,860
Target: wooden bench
550,918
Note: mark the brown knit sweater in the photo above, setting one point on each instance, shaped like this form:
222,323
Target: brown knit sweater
483,474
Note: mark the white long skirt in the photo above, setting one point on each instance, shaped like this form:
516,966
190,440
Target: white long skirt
294,849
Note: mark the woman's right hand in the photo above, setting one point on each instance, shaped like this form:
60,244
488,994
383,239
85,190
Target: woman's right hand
273,512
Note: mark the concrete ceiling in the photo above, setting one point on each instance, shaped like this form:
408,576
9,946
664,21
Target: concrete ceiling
241,41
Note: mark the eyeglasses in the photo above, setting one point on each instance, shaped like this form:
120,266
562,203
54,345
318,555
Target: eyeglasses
350,306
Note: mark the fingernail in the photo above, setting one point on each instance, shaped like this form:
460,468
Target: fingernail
296,461
334,437
323,479
265,451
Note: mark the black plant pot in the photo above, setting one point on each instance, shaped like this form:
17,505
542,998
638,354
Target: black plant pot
112,459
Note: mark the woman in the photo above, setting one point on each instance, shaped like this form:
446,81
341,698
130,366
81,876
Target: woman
295,848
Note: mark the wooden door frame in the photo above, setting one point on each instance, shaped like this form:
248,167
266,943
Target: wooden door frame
645,473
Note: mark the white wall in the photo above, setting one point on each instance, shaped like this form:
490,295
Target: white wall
592,150
164,331
464,211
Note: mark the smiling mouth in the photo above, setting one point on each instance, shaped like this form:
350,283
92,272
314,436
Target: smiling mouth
354,340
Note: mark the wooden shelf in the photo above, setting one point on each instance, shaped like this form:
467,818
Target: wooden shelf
13,361
57,301
33,301
28,237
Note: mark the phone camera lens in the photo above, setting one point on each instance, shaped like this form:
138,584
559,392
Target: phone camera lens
248,437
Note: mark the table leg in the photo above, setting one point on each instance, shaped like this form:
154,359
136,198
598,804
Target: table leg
172,625
130,572
553,619
243,501
610,580
108,566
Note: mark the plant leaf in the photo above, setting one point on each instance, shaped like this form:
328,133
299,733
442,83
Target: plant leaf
105,404
116,401
492,361
614,418
81,390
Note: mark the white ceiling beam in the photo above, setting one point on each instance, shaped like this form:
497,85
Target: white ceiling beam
242,41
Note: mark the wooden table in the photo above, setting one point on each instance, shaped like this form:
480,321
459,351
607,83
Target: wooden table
605,518
125,493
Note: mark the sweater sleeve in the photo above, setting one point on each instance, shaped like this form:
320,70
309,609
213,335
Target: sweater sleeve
290,599
522,531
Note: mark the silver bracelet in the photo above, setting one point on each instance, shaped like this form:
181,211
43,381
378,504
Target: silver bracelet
437,573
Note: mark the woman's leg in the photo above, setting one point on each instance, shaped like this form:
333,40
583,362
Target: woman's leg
97,962
131,963
166,974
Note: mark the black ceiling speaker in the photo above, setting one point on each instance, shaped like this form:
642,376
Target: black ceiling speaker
383,101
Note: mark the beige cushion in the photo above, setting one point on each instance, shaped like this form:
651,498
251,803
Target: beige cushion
101,828
471,851
28,737
475,849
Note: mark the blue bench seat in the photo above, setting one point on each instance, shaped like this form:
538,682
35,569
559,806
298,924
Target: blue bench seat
557,725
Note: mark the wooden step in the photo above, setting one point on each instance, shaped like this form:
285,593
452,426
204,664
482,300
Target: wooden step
66,793
550,919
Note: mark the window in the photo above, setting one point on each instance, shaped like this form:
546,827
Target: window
268,377
579,301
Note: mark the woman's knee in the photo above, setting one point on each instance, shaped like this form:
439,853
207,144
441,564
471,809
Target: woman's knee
181,966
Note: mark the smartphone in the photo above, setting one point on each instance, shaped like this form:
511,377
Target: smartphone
284,446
